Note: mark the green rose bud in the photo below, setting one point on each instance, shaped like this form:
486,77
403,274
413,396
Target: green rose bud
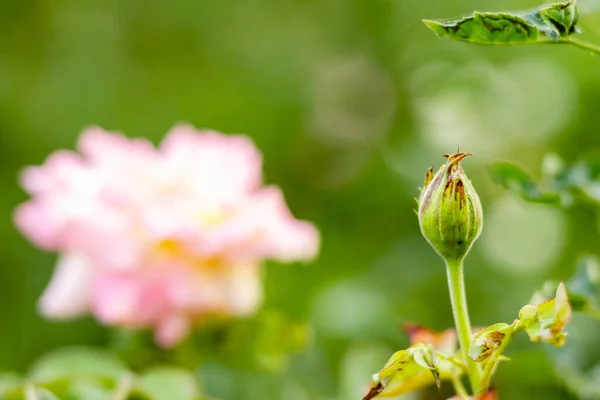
450,212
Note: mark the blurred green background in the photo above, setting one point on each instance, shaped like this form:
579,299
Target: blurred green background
350,102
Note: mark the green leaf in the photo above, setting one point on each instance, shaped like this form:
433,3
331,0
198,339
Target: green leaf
547,320
9,381
546,24
520,183
488,341
563,16
168,383
411,369
549,23
583,288
583,179
494,28
77,362
579,181
89,389
426,358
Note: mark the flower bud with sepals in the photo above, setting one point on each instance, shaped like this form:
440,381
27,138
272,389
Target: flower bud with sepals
450,213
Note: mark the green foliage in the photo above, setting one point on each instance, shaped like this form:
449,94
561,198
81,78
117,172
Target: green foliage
577,366
583,288
9,381
554,23
565,185
261,345
493,28
547,23
489,340
547,320
561,16
91,374
77,362
560,184
266,340
256,74
520,183
407,370
578,181
167,383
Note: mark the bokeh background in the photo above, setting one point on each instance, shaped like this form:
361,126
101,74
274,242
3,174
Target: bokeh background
350,102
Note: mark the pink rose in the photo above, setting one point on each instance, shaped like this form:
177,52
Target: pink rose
158,238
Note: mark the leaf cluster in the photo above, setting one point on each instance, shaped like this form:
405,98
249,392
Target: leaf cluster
92,374
423,364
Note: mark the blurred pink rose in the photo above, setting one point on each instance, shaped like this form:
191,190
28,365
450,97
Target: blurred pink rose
161,237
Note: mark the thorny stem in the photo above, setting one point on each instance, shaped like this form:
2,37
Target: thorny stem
458,298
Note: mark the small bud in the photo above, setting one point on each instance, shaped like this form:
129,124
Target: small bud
450,212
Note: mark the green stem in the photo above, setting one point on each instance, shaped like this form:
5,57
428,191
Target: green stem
458,298
583,45
123,388
574,42
490,367
459,388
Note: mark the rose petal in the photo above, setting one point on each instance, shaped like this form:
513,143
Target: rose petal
67,295
56,173
244,289
102,146
213,164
